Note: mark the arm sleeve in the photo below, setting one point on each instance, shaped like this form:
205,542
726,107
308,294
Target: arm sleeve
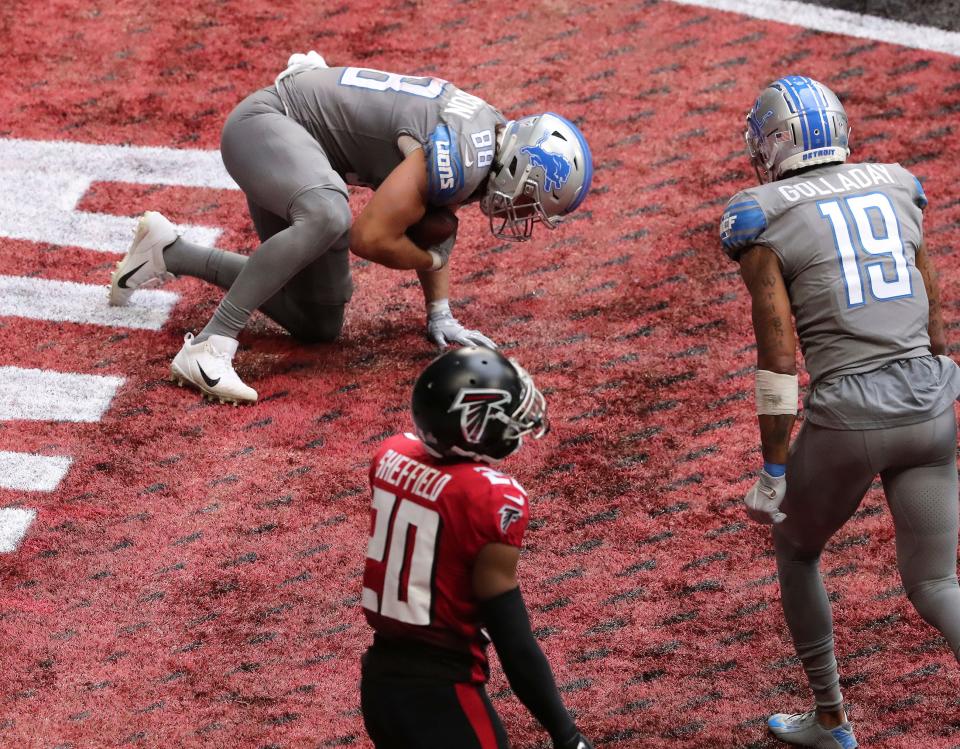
525,665
742,224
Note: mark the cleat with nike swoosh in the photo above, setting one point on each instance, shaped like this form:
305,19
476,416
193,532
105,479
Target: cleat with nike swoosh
143,266
208,366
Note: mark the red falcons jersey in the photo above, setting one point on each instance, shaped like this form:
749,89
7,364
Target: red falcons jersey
429,520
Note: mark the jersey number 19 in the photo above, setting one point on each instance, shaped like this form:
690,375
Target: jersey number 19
875,241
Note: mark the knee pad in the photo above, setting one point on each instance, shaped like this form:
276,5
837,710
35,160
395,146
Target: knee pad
324,213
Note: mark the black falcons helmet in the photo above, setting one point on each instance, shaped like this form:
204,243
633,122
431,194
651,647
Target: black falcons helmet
475,403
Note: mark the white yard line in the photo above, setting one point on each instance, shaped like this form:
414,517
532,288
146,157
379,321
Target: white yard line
14,524
35,473
840,22
43,395
41,183
64,301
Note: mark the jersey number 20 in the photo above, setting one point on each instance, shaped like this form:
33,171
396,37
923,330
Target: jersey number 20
408,581
874,241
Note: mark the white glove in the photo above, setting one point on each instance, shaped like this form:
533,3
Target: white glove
764,498
443,328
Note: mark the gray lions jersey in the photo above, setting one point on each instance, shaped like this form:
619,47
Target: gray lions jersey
359,115
846,236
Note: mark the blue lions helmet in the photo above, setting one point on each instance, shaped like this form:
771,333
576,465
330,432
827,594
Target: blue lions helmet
541,171
796,122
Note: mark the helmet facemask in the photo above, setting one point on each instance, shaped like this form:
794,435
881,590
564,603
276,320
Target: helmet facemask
512,218
530,415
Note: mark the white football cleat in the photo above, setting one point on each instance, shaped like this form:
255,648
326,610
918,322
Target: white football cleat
143,264
804,729
208,366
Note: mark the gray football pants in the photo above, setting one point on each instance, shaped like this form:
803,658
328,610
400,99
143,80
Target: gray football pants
828,473
300,275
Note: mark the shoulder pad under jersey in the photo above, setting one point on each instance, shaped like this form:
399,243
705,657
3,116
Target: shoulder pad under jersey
743,221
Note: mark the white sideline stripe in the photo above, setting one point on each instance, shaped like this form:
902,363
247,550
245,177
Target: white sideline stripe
14,523
35,473
836,21
43,395
41,183
65,301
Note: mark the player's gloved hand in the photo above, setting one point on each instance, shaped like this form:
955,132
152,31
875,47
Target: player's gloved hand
764,498
578,741
443,328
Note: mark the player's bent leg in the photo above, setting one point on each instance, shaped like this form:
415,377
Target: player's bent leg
320,218
806,608
210,264
828,472
924,504
311,306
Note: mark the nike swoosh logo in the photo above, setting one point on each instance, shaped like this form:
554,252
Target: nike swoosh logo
210,382
466,160
122,283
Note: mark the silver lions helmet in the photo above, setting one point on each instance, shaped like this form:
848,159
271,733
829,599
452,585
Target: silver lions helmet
541,171
796,122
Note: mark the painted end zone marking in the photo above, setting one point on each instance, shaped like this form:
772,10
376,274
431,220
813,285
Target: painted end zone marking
35,473
41,183
64,301
835,21
43,395
14,524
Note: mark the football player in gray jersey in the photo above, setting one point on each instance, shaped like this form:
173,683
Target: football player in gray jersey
423,145
841,247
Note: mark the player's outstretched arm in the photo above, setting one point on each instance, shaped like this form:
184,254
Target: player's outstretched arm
379,232
504,614
442,327
931,281
776,377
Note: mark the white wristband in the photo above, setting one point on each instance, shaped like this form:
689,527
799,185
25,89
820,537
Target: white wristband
438,308
437,260
776,393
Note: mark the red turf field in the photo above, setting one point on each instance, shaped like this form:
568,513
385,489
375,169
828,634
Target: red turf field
194,580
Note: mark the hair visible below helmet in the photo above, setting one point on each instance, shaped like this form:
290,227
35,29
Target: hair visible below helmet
541,171
796,122
473,402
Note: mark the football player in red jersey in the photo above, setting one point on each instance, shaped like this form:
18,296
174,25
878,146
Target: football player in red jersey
441,569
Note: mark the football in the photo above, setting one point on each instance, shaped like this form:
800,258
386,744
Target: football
436,226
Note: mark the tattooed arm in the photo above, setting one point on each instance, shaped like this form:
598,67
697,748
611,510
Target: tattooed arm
776,342
938,337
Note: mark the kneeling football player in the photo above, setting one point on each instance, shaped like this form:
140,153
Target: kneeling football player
441,568
423,145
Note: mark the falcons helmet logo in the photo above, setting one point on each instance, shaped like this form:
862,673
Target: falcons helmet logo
477,406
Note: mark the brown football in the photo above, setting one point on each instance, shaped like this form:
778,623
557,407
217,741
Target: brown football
435,227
